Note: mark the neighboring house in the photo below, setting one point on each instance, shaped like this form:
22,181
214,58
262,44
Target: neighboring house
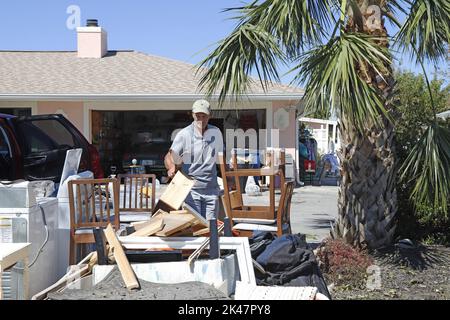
325,132
127,103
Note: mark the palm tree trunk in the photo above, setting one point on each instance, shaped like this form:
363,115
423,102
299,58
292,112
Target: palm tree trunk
367,200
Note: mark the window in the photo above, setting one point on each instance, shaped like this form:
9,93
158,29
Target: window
56,131
45,135
5,150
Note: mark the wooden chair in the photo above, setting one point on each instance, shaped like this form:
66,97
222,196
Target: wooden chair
91,205
134,203
280,225
233,201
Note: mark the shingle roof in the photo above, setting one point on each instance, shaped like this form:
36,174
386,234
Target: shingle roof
118,73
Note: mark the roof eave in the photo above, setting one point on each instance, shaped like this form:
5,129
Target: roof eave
138,97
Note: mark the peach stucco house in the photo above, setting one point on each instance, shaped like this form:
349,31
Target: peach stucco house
128,102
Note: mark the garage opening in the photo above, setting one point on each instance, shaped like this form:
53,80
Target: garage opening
121,136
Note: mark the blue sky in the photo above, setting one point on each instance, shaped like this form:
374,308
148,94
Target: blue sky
179,29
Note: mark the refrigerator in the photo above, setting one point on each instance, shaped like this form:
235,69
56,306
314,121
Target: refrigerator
38,225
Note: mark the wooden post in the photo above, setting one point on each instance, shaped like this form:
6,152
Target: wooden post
125,269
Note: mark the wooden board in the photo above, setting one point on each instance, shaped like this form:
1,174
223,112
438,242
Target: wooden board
151,227
72,275
201,232
179,211
174,223
139,224
177,190
125,269
196,214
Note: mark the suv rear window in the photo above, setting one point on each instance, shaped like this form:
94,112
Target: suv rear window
45,135
4,145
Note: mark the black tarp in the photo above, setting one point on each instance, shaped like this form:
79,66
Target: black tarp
287,261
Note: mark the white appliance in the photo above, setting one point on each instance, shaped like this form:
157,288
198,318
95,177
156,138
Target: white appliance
63,232
289,166
30,224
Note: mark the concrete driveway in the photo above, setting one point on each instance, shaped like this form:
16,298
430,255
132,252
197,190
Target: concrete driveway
312,209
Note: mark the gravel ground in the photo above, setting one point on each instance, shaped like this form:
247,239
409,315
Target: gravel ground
113,288
419,273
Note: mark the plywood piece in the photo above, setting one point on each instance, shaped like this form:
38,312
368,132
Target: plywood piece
201,232
196,214
151,227
184,211
177,190
174,223
139,224
125,269
188,232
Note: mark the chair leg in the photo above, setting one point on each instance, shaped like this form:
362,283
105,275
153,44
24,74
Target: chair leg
72,252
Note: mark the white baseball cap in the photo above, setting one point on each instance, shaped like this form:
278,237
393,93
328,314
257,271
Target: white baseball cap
201,106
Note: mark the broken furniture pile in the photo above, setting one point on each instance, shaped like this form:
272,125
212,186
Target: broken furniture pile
163,254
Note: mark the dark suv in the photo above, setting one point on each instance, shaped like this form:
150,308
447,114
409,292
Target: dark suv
34,147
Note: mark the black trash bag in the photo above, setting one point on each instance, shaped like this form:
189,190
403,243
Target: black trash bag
288,261
259,241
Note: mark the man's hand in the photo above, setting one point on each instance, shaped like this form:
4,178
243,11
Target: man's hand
171,172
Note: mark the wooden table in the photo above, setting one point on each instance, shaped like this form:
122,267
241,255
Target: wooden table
10,254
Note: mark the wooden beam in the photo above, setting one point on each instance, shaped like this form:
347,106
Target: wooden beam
196,214
174,223
125,269
150,227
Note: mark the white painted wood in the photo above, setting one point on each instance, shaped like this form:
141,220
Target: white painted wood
240,244
10,254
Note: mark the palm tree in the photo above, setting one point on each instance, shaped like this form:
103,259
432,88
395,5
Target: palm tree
341,54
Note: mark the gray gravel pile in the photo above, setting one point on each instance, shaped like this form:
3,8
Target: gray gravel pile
113,288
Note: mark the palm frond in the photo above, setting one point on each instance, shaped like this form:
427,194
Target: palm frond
428,164
427,29
246,49
295,23
331,74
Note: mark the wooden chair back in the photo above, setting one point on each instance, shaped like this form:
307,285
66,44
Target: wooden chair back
92,203
233,200
284,209
135,197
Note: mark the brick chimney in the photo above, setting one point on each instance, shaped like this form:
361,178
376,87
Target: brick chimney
92,40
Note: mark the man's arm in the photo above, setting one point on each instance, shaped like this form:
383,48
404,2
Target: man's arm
170,164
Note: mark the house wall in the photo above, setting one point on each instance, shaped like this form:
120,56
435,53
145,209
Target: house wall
287,136
71,110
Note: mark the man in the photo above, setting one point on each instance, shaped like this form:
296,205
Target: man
195,149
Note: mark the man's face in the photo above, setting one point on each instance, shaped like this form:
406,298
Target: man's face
201,119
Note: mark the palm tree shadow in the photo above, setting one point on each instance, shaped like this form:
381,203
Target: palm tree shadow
418,257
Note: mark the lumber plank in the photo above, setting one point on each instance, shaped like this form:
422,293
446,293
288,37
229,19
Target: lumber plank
174,223
150,227
184,211
125,269
201,232
73,274
196,214
177,190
